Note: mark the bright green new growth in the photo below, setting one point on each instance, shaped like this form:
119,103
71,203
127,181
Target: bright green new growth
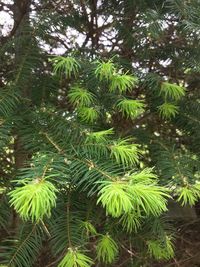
105,70
125,152
87,114
123,83
107,249
149,198
74,258
115,199
131,108
168,110
34,200
131,222
145,176
99,137
121,197
67,65
189,195
172,91
161,249
87,227
80,97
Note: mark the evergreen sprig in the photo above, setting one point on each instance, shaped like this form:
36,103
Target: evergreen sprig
131,108
189,194
107,249
67,65
172,91
168,110
123,83
161,249
80,97
125,152
105,70
75,258
34,199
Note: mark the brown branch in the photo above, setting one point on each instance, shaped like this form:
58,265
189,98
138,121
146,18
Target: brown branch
58,39
82,2
23,8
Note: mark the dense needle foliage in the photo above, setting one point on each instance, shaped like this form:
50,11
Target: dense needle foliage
97,135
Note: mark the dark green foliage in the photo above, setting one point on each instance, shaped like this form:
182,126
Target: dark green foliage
99,127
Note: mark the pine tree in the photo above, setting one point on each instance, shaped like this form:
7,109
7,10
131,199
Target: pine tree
95,141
